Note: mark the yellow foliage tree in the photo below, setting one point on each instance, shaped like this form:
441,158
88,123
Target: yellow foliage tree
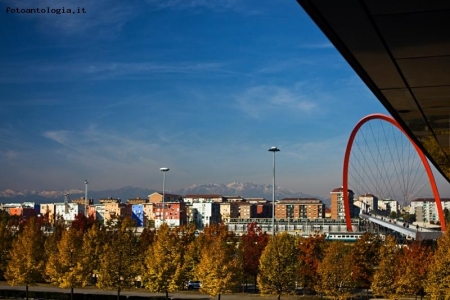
26,257
93,244
118,266
6,238
438,280
219,269
385,276
64,267
163,268
335,274
279,265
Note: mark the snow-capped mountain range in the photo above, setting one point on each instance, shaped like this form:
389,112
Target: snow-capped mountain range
246,189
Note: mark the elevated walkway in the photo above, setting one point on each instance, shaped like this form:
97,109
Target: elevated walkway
407,229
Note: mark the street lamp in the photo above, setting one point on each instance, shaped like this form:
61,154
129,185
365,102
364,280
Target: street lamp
273,149
85,197
164,170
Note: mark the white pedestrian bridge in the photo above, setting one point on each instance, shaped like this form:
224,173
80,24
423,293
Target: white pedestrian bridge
411,232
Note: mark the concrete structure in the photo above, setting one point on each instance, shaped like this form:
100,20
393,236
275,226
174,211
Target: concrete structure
426,211
200,198
137,214
205,213
174,213
337,204
137,200
299,208
68,211
370,202
228,210
158,197
387,206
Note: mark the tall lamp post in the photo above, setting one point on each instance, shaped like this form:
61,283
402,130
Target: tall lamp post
274,150
85,197
164,170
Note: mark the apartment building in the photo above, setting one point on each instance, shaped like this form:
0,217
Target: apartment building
228,210
337,204
425,209
299,208
205,213
158,197
200,198
174,213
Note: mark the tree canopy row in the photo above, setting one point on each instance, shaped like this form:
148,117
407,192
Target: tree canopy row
115,257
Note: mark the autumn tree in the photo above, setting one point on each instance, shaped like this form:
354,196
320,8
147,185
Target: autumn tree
187,238
384,277
6,238
94,241
26,257
279,265
51,242
219,269
163,266
365,259
413,263
311,253
438,279
335,275
64,267
252,244
119,258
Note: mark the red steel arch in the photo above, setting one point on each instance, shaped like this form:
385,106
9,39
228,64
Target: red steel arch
419,152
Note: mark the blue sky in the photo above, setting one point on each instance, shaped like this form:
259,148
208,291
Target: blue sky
203,87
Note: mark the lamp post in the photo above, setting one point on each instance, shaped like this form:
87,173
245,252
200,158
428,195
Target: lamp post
164,170
85,197
273,149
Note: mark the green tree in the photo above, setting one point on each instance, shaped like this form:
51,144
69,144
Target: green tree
385,276
251,246
412,269
219,269
26,257
365,258
279,265
438,279
64,267
335,274
119,258
163,266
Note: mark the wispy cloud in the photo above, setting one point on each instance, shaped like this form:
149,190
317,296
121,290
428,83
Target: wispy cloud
29,71
326,45
259,100
198,5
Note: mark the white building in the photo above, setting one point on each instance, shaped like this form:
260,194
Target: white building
200,198
68,211
425,209
205,213
388,205
369,202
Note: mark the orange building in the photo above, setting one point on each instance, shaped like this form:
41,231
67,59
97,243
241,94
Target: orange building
299,208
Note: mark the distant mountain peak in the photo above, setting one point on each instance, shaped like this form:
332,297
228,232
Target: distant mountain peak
234,188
